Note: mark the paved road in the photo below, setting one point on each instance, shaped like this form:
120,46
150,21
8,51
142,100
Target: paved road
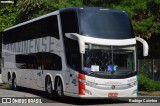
67,102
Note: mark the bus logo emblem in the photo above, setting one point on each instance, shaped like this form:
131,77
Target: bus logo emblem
113,87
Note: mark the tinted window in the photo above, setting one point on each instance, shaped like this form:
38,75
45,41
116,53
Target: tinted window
46,61
25,62
69,22
110,24
51,61
74,59
41,28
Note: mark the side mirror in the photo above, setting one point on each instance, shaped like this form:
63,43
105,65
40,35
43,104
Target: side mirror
145,46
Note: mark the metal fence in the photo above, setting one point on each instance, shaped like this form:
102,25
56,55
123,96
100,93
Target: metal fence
150,68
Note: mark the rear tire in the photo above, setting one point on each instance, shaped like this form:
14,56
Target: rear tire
59,89
14,83
49,89
10,83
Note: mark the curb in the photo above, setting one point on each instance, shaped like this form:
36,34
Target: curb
145,93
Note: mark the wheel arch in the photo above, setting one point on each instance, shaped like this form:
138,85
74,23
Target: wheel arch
14,75
9,74
54,79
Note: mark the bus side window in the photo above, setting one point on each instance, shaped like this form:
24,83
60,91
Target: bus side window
52,61
25,61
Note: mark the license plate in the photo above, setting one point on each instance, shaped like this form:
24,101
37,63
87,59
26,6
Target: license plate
112,94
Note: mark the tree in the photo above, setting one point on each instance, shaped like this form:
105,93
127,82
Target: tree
100,3
144,15
27,9
8,15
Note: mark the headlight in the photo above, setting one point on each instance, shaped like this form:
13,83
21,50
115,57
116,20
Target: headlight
88,83
92,84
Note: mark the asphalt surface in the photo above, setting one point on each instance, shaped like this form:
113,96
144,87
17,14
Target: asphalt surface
66,102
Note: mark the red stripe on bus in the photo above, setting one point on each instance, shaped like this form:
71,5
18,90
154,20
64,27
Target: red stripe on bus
81,85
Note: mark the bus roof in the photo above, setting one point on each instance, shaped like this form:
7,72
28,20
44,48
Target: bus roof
62,10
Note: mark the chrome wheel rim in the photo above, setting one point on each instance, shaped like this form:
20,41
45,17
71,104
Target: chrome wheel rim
15,84
49,87
59,88
10,82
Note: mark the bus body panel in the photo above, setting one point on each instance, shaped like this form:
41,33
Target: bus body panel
104,87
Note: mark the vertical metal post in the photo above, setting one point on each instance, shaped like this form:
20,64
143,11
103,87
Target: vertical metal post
82,61
137,67
112,54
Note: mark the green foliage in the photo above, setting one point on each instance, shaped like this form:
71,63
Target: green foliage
5,85
144,15
8,15
25,6
27,9
59,4
100,3
146,84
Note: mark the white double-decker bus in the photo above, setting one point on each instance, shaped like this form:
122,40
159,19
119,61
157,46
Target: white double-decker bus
79,52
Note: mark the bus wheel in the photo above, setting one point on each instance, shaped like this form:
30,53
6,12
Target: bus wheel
14,83
59,88
49,89
10,83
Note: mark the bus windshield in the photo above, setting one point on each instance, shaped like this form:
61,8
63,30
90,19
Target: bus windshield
109,60
110,24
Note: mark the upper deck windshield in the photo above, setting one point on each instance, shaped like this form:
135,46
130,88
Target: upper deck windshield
110,61
105,23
